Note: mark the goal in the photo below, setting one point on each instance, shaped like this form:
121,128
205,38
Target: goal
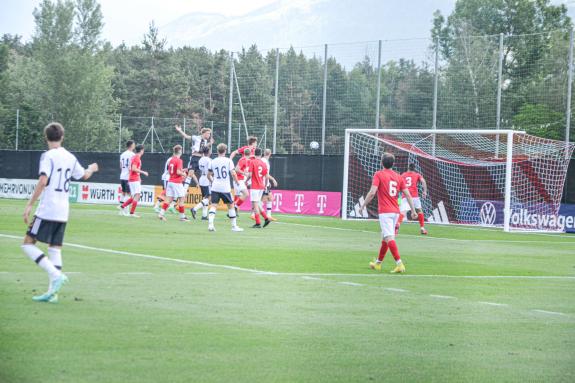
497,178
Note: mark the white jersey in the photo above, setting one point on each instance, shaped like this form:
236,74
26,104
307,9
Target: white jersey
166,173
59,165
267,162
125,160
198,143
204,165
221,167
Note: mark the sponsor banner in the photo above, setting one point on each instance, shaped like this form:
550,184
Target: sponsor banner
17,188
304,202
99,193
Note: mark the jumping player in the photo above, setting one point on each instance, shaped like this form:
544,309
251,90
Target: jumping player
198,142
258,173
204,182
387,184
175,188
125,159
240,188
57,168
412,178
135,182
221,168
267,197
252,145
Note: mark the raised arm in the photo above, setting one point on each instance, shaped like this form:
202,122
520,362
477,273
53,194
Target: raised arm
181,132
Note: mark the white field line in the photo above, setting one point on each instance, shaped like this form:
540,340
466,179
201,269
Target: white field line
264,272
350,284
493,304
548,312
135,273
430,237
441,296
395,290
308,278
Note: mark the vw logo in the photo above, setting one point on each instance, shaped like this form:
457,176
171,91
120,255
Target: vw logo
487,214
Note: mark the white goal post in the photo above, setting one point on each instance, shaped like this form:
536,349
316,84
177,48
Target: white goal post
497,178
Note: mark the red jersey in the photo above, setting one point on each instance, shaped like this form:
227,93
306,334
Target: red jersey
389,184
135,176
411,179
241,150
243,165
174,166
259,170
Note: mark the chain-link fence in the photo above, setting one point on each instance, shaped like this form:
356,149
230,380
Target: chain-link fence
301,100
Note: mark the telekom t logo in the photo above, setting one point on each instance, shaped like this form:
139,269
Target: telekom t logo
298,202
277,201
321,202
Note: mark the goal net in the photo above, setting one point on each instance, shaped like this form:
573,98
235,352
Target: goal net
499,178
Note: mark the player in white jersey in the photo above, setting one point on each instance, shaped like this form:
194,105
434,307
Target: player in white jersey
204,182
267,197
221,169
198,143
57,167
125,159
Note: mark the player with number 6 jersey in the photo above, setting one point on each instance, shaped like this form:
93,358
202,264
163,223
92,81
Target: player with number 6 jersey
57,167
387,184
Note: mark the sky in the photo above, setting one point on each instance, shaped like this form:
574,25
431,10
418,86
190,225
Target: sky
128,20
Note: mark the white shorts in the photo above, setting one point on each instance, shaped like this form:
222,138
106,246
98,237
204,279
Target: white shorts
256,195
405,205
240,187
135,187
387,223
175,190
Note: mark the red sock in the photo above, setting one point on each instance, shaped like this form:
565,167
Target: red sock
128,201
236,198
165,206
421,219
382,251
239,202
181,209
133,209
263,213
394,250
258,220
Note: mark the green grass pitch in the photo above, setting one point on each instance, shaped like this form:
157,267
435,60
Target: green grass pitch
295,302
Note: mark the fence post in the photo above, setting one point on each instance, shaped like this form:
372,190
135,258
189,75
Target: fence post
499,85
230,102
435,85
276,98
152,135
120,136
378,86
569,85
184,138
324,100
17,126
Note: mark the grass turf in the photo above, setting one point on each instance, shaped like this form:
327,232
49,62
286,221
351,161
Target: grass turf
202,313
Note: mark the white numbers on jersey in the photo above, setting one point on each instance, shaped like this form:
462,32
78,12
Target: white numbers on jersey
408,181
392,188
171,171
67,176
260,170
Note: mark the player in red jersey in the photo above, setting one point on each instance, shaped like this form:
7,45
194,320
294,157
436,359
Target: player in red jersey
175,188
387,184
258,173
252,145
412,179
134,181
240,188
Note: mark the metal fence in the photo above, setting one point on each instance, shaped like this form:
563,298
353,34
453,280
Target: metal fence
291,98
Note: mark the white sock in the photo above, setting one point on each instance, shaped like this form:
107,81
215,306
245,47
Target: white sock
199,205
269,208
37,256
232,215
212,216
204,211
187,182
55,256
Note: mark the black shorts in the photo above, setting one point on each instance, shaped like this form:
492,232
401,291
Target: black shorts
194,163
205,191
267,190
125,186
50,232
226,197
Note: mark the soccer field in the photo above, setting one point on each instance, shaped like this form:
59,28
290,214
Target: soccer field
152,301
